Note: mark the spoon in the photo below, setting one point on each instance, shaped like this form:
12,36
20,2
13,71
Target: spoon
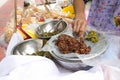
55,27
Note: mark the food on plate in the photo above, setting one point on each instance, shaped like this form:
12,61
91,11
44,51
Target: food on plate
92,36
47,34
42,53
67,44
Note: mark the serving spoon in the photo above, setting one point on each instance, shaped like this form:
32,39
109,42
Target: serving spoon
55,27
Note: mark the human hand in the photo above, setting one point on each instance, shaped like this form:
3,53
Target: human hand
117,20
79,25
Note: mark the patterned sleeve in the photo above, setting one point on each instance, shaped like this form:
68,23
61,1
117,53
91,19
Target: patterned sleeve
117,10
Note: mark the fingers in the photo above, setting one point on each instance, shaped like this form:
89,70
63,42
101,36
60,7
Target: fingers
83,27
79,26
75,25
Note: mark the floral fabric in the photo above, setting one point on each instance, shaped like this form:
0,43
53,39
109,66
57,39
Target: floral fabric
102,13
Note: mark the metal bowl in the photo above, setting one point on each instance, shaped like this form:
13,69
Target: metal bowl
27,47
49,27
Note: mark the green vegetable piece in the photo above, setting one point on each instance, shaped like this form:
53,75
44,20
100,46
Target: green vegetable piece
48,55
40,53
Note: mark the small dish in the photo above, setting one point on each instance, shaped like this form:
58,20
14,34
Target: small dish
27,47
47,30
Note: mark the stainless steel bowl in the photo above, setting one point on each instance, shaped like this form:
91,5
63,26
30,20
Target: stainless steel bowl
27,47
49,27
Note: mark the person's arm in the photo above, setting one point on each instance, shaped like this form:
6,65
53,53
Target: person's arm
80,19
79,8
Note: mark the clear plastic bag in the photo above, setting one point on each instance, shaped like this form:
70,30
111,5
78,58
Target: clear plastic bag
63,3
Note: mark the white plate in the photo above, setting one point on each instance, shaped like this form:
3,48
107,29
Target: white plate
96,49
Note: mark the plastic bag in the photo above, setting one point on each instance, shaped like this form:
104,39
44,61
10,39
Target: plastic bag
63,3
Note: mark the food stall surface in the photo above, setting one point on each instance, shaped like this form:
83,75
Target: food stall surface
6,8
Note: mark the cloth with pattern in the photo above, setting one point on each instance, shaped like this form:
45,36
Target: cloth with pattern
102,13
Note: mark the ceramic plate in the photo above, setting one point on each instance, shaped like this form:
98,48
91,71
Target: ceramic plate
96,50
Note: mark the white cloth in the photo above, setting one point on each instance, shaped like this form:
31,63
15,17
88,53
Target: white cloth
40,68
27,68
